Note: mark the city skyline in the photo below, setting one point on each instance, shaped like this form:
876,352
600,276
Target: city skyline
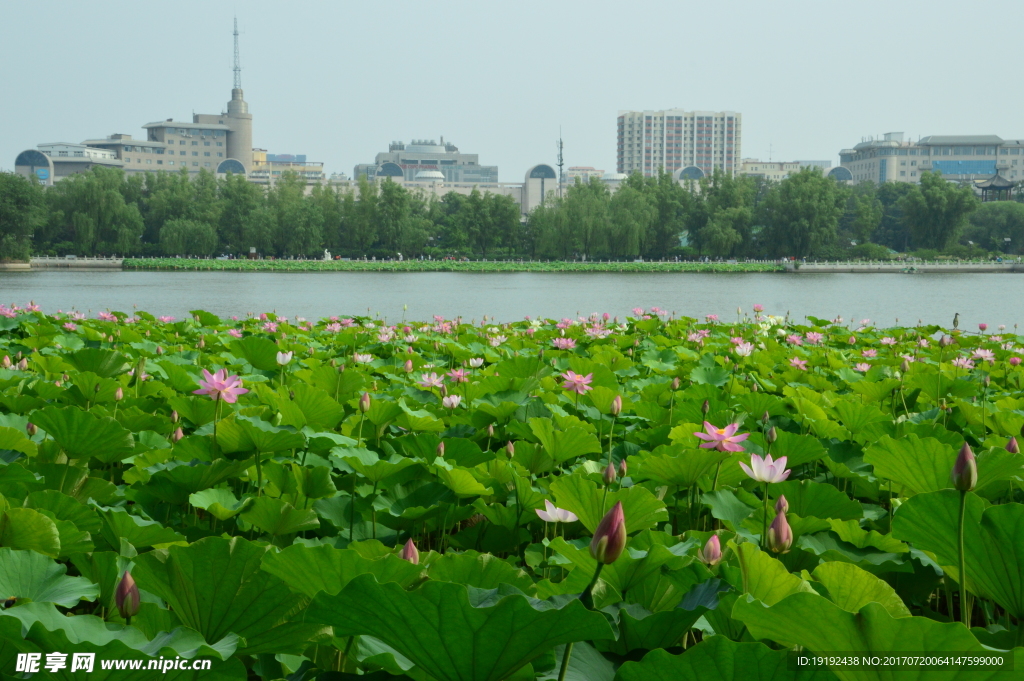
507,89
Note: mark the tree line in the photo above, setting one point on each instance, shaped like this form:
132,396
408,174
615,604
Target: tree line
106,212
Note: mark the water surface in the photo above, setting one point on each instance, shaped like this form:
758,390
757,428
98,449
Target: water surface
934,298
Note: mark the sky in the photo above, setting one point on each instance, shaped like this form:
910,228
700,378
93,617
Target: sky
338,81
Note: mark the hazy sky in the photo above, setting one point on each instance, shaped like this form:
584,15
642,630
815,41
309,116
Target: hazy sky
338,81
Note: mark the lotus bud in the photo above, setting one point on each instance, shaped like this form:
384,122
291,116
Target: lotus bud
609,474
905,365
623,467
705,408
616,408
965,470
781,505
364,403
408,349
159,350
610,536
945,341
765,417
64,378
1015,361
853,340
982,327
174,417
490,430
711,554
341,368
780,535
1012,446
411,553
754,388
126,597
443,390
987,381
675,383
408,366
510,449
202,343
6,362
772,435
96,388
31,429
119,394
440,449
177,434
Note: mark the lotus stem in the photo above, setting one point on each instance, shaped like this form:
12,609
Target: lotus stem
764,520
964,613
565,661
587,597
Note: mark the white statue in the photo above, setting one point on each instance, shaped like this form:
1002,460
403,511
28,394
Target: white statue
327,254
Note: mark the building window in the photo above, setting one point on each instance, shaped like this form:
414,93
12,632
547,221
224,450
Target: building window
194,143
195,153
913,174
207,165
182,153
195,163
206,153
903,173
219,155
170,163
220,144
160,162
206,144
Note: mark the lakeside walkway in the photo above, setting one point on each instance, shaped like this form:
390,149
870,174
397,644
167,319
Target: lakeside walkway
908,267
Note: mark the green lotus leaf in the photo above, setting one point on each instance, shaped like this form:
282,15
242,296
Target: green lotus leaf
562,445
141,533
219,502
720,659
25,528
196,410
480,570
368,465
216,587
765,577
311,569
16,441
83,435
716,376
577,494
450,630
174,481
32,577
807,498
257,351
585,664
462,483
40,628
103,363
851,588
319,409
237,434
993,542
822,627
276,517
64,507
676,465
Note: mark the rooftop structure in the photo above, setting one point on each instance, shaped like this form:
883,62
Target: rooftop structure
408,160
958,157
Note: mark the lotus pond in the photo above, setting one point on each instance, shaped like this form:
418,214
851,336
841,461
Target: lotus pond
590,499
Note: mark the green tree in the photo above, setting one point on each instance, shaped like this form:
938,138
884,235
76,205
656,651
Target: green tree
994,222
586,215
506,220
802,213
362,232
392,215
239,198
258,229
721,215
89,212
867,213
22,211
672,204
299,221
892,230
631,216
188,237
936,211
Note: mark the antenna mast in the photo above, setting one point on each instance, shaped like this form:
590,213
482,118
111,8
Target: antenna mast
560,163
238,66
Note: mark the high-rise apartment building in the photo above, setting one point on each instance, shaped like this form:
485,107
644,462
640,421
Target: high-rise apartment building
673,139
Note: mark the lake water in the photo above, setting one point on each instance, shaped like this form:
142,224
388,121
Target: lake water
884,298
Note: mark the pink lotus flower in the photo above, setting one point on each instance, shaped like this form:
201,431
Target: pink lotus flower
237,333
576,382
722,439
334,327
965,470
963,363
888,340
870,352
126,597
1014,361
711,554
766,470
759,308
923,343
165,319
984,355
362,358
458,376
711,317
270,327
553,514
982,327
862,366
70,326
431,380
813,337
744,349
451,401
794,339
798,363
780,535
637,311
564,343
220,386
107,317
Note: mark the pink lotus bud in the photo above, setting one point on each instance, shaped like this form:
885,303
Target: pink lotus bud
610,537
965,470
617,405
510,449
711,554
174,417
31,429
623,467
765,417
126,597
609,474
853,340
490,430
705,408
408,366
6,363
119,394
202,343
364,403
982,327
440,449
1012,446
772,435
23,366
780,535
945,341
781,505
411,553
675,383
177,434
904,365
159,350
1015,361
